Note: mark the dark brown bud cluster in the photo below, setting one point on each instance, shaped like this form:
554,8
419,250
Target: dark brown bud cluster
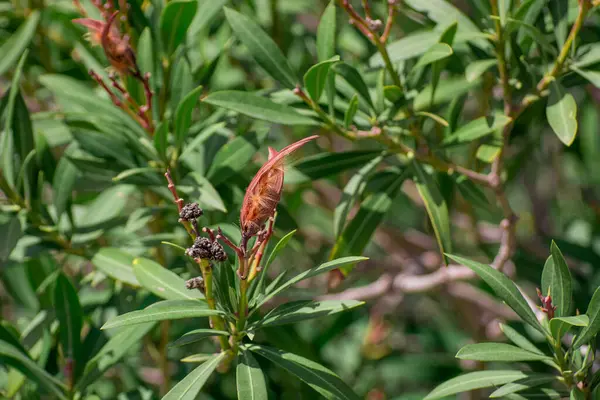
196,283
207,249
190,211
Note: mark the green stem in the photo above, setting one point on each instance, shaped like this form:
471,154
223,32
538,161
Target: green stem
217,322
584,6
388,62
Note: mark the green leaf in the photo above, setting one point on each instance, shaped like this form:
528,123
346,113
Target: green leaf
70,318
323,268
262,48
410,46
393,94
561,113
474,380
504,288
351,111
475,69
354,79
360,229
250,379
561,325
289,313
274,253
189,387
235,155
10,233
15,45
197,335
326,33
321,379
13,357
64,181
18,141
257,107
175,20
556,281
444,13
117,346
447,90
498,352
163,310
593,313
531,381
161,139
476,129
207,11
322,165
117,264
436,207
204,193
434,117
438,51
316,77
183,115
353,189
162,282
577,394
592,76
519,339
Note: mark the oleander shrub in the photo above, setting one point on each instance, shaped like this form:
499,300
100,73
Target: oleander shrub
267,199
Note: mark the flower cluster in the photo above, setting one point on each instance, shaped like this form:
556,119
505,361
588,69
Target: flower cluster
207,249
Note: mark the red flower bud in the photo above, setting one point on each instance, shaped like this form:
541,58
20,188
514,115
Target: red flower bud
264,192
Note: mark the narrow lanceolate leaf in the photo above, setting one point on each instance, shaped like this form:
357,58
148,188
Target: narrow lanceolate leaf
410,46
321,269
250,379
234,156
325,164
436,207
324,381
15,45
189,387
117,264
593,313
556,281
519,339
70,318
474,380
504,288
438,51
10,233
358,232
183,115
326,33
163,310
175,20
561,113
13,357
115,349
296,311
161,281
316,77
197,335
498,352
351,192
476,129
257,107
262,48
531,381
561,325
354,79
